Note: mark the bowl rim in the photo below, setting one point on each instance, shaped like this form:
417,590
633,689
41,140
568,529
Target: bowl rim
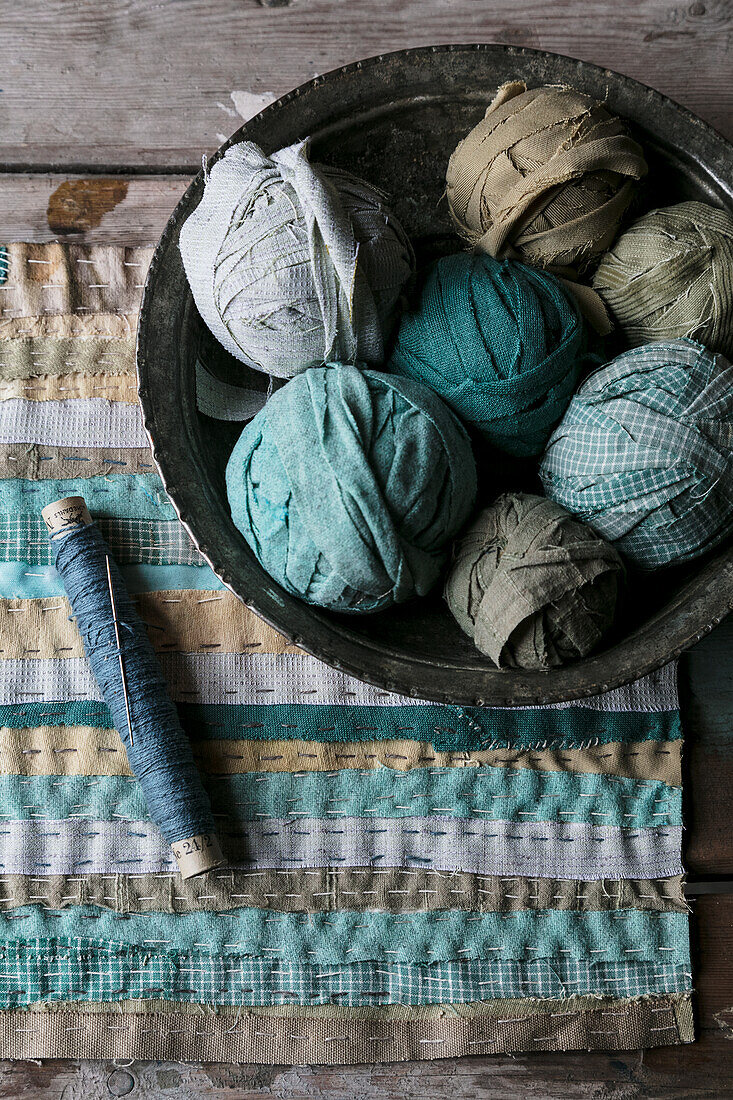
701,604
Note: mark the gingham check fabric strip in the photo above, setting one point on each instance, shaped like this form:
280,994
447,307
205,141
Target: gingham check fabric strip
42,972
131,541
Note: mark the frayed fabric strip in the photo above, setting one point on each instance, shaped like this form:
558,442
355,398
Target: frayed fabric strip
132,541
88,422
34,461
46,973
129,496
544,849
293,678
21,581
60,279
277,1040
342,723
75,384
466,793
347,936
325,889
86,750
36,356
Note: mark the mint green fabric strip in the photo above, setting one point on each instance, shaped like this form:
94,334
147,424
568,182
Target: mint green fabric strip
485,793
21,581
449,730
46,972
133,496
346,936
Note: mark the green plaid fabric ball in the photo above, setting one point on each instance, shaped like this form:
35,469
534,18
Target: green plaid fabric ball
643,453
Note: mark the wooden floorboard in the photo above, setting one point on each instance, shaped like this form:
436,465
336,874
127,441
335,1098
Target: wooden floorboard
156,84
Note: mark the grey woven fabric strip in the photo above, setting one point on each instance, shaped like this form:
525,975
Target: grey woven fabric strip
276,1040
547,850
258,677
329,888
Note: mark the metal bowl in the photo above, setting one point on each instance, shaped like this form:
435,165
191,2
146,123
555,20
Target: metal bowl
394,120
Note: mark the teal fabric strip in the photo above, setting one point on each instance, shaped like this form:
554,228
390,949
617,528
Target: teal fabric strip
486,793
46,972
346,936
4,264
20,581
449,729
134,496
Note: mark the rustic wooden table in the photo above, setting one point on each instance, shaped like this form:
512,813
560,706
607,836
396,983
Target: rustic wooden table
105,110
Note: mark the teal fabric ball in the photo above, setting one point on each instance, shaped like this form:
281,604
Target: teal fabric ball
348,485
502,343
644,453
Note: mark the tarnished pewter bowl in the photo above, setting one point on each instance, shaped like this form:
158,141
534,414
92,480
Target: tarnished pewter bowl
394,120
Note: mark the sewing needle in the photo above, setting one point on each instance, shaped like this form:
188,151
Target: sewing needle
119,648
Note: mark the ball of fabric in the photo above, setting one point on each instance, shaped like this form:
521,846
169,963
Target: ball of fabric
545,177
291,263
532,586
644,453
670,275
502,343
348,485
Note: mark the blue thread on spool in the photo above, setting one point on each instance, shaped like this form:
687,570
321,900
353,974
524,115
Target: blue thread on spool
133,686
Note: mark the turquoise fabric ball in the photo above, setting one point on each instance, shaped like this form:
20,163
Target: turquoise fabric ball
348,484
502,343
644,453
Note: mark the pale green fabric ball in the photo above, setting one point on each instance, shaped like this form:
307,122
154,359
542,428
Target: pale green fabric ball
671,275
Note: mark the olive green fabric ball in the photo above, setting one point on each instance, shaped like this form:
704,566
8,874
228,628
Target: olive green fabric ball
533,587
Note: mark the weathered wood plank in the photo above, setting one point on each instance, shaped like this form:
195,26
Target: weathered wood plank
147,85
701,1070
706,691
130,210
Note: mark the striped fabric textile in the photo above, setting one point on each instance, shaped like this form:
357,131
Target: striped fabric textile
404,879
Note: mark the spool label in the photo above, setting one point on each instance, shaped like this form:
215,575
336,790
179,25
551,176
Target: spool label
64,515
196,854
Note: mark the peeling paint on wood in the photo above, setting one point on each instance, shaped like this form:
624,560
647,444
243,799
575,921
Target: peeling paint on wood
249,104
78,205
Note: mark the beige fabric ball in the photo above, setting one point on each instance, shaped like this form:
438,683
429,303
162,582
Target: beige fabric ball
545,177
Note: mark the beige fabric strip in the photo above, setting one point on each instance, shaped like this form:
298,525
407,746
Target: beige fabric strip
498,1007
62,750
637,760
73,278
278,1040
323,889
87,750
34,461
29,356
183,621
64,326
62,387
